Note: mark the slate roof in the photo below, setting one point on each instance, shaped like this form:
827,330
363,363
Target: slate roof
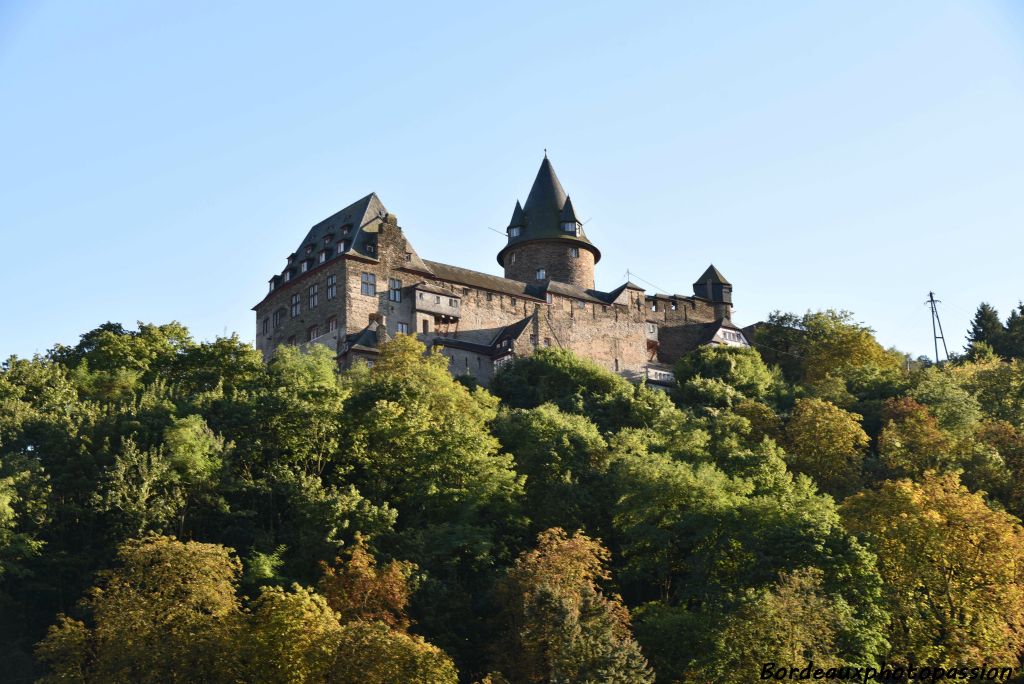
496,347
362,219
541,216
515,288
368,339
712,274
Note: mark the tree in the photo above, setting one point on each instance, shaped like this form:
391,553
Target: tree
164,615
986,327
789,623
738,368
290,637
370,653
827,443
912,441
954,408
1012,344
559,626
952,568
564,459
358,589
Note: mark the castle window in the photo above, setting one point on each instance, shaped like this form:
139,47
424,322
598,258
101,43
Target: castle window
305,266
514,231
323,256
549,298
437,299
314,295
652,328
309,249
452,302
312,333
533,340
408,256
489,296
394,290
271,285
616,365
332,324
296,305
465,292
547,341
328,239
581,304
287,275
371,248
403,328
291,340
332,286
654,306
368,284
266,325
511,258
426,326
571,227
574,252
512,301
345,229
345,244
541,274
674,306
278,315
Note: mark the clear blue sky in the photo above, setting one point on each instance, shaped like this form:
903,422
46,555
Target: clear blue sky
159,161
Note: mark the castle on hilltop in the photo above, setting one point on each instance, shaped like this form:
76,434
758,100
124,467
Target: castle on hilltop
356,281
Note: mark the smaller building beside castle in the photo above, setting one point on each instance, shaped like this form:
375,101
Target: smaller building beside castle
356,281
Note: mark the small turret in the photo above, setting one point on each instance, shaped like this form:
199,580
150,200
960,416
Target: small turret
713,286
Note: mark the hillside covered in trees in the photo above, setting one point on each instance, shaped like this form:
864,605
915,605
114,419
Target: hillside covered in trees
180,511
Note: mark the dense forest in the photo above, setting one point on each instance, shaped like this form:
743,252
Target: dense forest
173,510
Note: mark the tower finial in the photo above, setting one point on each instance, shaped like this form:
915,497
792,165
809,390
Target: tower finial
545,153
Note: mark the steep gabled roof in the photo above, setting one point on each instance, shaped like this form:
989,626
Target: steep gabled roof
568,213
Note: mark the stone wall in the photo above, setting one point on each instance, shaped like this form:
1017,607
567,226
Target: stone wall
557,260
618,336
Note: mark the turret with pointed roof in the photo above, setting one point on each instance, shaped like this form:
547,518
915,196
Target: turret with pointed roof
713,286
545,236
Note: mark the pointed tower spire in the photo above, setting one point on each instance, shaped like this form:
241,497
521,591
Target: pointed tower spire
518,217
568,214
545,237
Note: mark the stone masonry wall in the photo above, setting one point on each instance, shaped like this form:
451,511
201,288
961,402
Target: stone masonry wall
556,259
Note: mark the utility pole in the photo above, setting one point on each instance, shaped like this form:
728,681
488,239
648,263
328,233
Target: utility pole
937,332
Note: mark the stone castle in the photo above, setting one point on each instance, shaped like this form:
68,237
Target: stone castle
356,281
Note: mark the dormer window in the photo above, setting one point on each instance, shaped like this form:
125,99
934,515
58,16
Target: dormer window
328,239
271,285
345,244
287,275
309,249
323,256
371,248
571,227
346,229
514,231
541,274
305,266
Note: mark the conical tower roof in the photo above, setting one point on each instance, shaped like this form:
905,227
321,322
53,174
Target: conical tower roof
518,217
714,275
543,213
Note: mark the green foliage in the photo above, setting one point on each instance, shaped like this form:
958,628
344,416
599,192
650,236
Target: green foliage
409,500
720,375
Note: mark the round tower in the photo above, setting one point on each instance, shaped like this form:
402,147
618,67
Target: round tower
546,239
